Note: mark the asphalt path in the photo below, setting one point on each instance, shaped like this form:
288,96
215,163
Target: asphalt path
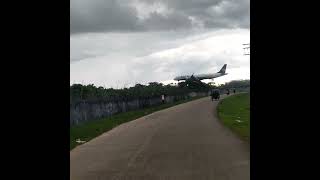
185,142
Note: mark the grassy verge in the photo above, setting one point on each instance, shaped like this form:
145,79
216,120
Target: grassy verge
92,129
234,112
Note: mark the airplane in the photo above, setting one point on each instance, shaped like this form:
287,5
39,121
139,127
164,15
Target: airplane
200,77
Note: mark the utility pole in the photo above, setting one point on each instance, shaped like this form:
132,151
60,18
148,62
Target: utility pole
246,49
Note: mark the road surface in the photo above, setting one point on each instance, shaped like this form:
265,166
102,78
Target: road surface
184,142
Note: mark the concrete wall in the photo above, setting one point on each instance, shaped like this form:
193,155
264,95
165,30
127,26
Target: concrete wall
89,111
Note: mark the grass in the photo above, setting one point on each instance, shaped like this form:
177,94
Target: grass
92,129
234,112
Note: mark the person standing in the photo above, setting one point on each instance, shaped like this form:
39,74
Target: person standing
162,98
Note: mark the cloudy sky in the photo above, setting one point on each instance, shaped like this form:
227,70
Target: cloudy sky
118,43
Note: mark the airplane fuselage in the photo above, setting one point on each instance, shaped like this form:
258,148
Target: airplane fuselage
222,72
201,76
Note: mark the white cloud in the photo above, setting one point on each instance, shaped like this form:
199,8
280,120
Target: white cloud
114,59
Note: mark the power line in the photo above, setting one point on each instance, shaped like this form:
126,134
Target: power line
246,48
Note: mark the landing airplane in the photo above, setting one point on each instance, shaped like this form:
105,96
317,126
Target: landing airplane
199,77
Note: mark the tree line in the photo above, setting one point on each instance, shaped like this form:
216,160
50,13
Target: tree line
79,92
236,84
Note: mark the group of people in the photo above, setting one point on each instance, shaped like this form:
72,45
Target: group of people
215,94
228,91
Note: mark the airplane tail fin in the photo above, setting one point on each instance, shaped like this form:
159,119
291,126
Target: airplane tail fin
223,69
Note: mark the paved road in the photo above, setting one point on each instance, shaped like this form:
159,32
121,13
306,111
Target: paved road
180,143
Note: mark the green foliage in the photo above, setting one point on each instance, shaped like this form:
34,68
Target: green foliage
236,84
89,92
79,92
234,112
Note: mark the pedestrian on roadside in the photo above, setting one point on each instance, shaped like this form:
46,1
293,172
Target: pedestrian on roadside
211,94
162,98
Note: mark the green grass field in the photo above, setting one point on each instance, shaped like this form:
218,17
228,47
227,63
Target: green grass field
234,112
92,129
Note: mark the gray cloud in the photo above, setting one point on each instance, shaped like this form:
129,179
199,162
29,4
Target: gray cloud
101,15
84,46
174,21
119,42
123,16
